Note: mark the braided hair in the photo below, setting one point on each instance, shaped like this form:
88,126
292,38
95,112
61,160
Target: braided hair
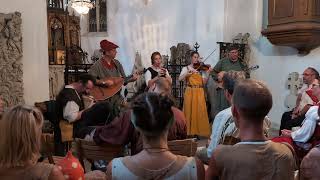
152,114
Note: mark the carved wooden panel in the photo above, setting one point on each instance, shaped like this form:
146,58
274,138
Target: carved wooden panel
279,11
316,8
11,84
74,31
56,79
305,6
63,32
294,23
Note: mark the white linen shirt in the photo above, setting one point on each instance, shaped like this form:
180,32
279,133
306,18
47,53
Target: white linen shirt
309,124
217,127
71,110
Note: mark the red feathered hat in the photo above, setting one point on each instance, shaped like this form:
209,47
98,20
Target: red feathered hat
107,45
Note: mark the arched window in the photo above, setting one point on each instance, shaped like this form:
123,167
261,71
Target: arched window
98,17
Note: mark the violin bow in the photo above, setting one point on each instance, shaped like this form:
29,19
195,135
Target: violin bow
209,55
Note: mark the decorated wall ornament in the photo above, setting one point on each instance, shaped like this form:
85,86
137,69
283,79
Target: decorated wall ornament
294,83
11,84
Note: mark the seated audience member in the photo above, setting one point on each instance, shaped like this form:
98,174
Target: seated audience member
233,132
308,135
304,102
310,122
152,116
20,132
223,125
121,130
223,118
310,165
254,157
305,132
216,96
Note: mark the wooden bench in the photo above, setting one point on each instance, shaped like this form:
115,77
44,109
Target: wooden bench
93,152
47,149
185,147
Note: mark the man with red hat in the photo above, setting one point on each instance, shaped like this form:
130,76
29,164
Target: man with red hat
108,66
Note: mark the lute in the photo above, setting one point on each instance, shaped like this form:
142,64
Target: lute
252,68
100,92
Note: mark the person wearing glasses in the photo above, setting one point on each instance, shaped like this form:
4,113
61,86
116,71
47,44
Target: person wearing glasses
231,62
307,136
295,117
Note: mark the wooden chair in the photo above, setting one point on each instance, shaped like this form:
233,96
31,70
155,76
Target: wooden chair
186,147
230,140
47,149
91,151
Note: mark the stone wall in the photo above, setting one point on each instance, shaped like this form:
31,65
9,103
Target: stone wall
11,84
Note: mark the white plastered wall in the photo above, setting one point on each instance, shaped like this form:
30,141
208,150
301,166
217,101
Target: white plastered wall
35,46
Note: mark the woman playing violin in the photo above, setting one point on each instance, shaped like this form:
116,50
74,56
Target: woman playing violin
194,105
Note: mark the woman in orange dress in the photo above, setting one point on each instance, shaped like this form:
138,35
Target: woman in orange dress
194,105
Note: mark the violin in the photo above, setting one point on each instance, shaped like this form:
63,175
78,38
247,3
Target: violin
200,66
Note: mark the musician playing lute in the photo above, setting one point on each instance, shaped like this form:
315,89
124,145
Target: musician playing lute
216,95
108,66
231,62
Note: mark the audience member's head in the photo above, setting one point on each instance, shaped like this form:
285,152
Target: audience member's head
229,81
251,102
161,86
85,83
310,165
316,88
20,131
315,92
309,75
152,115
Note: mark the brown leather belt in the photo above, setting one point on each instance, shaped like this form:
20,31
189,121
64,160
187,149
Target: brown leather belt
195,86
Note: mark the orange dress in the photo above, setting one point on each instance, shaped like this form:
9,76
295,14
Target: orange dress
194,107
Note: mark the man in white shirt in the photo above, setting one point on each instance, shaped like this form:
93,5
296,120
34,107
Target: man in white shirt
70,106
306,131
224,118
304,102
